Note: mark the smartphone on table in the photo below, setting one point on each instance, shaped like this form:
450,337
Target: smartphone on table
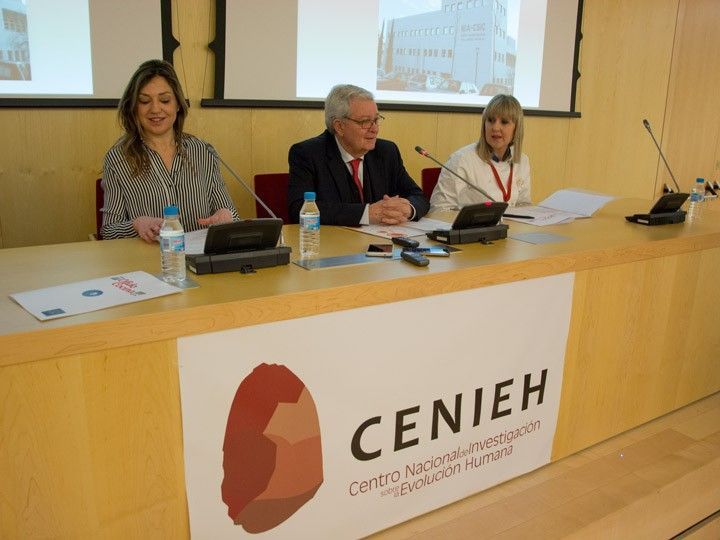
434,251
379,250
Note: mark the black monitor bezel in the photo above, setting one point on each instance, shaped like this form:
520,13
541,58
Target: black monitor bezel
670,202
253,234
485,214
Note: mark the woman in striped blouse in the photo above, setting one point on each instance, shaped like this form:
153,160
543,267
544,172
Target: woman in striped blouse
155,164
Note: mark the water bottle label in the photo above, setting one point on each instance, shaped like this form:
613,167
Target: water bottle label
696,196
173,243
310,223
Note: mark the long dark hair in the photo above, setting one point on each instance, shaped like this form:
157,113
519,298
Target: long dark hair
131,142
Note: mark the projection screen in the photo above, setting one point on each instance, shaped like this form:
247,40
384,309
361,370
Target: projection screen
77,52
412,54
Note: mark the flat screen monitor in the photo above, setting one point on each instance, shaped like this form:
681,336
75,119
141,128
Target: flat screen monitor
245,235
485,214
670,202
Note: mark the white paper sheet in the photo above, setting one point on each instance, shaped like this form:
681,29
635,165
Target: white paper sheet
543,216
575,201
563,206
410,229
195,242
92,295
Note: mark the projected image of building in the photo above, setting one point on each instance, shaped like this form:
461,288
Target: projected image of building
464,47
14,45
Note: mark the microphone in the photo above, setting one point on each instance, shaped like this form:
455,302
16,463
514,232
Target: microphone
647,126
420,150
214,153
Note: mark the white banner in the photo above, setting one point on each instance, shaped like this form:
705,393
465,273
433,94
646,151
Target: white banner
342,424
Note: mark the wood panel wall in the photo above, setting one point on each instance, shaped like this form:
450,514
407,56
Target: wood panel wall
691,135
651,59
625,365
96,442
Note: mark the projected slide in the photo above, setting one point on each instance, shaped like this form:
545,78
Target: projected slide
456,53
14,44
457,47
45,47
431,51
77,53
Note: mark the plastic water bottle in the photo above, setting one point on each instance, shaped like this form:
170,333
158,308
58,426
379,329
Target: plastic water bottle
172,246
309,227
697,196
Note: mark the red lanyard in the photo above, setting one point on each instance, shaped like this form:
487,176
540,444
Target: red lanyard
508,193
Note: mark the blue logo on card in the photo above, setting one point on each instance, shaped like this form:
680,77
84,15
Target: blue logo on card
51,312
92,292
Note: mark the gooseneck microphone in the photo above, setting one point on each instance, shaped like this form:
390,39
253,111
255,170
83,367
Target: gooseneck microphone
647,126
255,196
420,150
242,183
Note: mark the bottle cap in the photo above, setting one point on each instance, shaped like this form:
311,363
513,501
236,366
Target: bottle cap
309,196
171,211
699,180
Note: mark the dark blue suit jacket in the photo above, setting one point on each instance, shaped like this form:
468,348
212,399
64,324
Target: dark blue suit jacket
316,165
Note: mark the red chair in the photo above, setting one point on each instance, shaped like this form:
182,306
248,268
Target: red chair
429,178
272,189
99,201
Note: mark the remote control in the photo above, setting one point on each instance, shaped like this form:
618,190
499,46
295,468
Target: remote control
404,241
415,258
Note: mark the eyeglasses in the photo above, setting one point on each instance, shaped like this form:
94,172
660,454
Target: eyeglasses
367,124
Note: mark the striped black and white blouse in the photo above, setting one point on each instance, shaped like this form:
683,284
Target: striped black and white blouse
193,184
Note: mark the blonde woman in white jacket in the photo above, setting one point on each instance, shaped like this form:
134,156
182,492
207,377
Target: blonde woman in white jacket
495,163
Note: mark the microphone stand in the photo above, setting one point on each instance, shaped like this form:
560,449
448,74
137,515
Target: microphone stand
247,188
426,154
647,126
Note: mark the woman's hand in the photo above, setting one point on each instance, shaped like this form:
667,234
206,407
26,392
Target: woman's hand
148,228
221,216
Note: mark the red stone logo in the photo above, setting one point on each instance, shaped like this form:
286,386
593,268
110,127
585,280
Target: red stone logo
272,456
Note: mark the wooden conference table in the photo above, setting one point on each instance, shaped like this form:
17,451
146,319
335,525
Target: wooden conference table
90,425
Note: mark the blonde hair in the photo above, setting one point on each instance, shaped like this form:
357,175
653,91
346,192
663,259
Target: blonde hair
504,106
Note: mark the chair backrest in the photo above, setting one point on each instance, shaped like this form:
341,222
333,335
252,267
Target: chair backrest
429,178
272,189
99,200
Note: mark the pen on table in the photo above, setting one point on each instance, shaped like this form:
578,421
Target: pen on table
518,216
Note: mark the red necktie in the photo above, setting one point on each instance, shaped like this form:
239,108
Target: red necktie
355,163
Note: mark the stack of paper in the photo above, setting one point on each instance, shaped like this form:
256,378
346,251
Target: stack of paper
563,206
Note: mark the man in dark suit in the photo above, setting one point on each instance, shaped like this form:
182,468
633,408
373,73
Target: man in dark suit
358,179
